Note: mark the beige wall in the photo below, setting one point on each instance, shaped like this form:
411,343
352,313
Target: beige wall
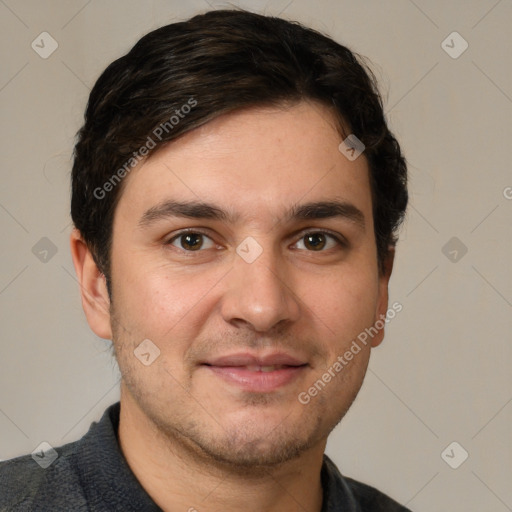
443,372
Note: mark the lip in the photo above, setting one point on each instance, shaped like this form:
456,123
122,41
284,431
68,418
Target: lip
248,359
233,368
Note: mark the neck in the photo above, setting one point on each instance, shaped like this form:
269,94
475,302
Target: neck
177,477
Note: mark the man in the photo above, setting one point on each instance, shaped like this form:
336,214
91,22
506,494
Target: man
236,195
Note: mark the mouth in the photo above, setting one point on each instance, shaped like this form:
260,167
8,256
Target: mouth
257,374
265,369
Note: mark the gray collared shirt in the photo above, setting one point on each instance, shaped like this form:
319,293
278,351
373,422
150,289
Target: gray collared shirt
92,475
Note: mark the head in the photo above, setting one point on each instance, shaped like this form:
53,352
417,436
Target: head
215,215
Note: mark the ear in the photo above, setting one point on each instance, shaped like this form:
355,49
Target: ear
93,287
383,297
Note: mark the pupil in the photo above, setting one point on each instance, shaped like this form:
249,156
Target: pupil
315,242
192,241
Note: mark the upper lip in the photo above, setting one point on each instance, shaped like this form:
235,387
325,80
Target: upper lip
247,359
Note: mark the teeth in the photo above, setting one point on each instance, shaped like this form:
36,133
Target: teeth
255,368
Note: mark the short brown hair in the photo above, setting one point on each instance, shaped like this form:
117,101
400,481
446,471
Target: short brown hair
224,60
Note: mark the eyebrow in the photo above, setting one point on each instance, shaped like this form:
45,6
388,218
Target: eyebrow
327,210
202,210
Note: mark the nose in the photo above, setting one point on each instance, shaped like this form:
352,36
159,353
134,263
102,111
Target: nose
260,294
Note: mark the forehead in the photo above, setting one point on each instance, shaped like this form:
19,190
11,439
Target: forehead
252,162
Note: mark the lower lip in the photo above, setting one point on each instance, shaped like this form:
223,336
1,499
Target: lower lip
259,382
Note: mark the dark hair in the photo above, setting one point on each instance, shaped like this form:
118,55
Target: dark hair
216,63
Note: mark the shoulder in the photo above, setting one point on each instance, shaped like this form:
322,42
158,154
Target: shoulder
342,493
78,476
27,485
372,500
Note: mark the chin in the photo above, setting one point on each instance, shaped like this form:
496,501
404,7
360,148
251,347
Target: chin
253,454
262,443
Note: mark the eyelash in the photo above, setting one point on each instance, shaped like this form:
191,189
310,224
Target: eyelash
338,238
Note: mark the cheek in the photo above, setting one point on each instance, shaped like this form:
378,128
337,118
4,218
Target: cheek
345,303
160,303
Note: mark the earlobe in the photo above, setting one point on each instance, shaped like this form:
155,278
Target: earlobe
383,299
93,288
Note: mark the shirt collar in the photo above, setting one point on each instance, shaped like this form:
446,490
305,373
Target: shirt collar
104,472
337,493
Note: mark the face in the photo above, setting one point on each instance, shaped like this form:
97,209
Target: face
245,251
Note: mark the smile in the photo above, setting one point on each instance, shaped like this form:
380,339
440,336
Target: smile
256,378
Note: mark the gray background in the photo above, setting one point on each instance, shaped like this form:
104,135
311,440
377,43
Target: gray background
443,371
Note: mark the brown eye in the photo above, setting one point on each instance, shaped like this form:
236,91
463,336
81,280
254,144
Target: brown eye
315,241
191,241
318,241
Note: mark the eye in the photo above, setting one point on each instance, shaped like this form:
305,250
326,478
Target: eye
191,241
318,241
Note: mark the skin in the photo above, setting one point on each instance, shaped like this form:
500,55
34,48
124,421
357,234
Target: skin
187,434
